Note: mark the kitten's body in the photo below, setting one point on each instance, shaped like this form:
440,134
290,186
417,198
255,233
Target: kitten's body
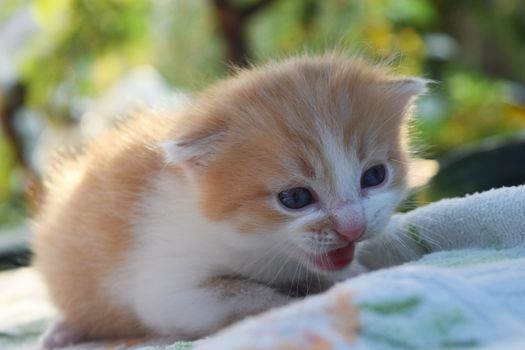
170,224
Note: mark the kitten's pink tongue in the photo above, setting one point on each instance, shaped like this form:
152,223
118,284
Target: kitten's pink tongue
336,259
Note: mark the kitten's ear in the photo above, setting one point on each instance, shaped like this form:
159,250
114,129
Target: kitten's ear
413,86
193,151
407,88
401,93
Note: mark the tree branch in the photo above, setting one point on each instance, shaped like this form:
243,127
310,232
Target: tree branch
232,21
248,11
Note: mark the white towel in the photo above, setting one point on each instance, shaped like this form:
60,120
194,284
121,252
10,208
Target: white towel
494,219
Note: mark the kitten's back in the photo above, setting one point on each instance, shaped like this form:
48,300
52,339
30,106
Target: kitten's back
83,228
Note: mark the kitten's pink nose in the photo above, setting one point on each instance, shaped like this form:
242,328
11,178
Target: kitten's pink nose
351,232
350,222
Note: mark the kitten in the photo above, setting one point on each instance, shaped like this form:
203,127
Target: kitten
259,191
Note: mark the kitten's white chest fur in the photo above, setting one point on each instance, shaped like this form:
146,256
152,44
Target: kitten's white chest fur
176,251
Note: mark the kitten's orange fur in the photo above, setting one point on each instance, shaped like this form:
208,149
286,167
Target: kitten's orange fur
84,228
246,138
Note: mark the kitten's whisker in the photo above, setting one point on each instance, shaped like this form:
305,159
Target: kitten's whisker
436,239
271,253
394,242
423,239
286,259
400,161
292,281
317,272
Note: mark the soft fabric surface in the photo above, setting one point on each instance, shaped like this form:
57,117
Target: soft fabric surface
463,287
490,220
24,309
453,300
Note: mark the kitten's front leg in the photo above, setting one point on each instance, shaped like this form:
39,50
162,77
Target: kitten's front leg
214,304
242,297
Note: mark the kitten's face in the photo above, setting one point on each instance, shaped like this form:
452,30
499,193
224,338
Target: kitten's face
309,153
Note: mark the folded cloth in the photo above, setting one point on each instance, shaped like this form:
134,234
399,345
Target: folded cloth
461,299
449,298
493,219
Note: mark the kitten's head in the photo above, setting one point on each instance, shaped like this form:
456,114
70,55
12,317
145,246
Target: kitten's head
309,153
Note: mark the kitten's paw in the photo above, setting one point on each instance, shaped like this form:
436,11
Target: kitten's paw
59,335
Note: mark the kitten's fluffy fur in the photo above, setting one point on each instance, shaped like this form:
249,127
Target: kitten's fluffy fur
170,224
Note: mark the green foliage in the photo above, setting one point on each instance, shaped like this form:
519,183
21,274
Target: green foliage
86,45
186,48
468,107
6,167
12,206
474,49
8,8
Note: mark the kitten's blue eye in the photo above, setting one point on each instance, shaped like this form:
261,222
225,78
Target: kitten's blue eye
373,176
296,198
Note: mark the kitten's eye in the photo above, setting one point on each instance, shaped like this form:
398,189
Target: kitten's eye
373,176
296,198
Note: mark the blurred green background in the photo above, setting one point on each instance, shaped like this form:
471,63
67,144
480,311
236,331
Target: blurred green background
58,56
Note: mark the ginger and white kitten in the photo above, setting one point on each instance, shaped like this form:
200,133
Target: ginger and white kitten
258,192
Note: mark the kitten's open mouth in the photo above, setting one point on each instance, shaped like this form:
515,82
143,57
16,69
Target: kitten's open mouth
336,259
